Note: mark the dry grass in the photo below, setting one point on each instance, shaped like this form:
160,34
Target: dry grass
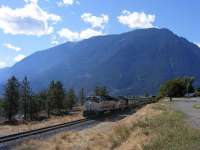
172,132
154,127
10,129
123,134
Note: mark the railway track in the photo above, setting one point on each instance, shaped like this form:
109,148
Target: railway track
22,135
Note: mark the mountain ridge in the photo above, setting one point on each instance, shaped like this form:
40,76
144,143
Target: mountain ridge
133,63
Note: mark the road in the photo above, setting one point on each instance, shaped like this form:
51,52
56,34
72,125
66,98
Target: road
185,105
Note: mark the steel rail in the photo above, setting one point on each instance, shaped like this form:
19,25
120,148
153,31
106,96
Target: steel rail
21,135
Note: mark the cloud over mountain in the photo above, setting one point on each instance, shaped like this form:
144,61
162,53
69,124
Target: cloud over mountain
10,46
76,36
136,19
28,20
95,21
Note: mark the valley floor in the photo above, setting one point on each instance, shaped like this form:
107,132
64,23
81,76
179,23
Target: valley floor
153,127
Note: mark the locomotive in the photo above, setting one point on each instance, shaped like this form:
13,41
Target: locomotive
97,105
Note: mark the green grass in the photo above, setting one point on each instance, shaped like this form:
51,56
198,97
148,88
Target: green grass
196,106
171,132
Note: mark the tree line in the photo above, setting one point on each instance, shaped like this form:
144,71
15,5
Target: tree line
19,99
178,87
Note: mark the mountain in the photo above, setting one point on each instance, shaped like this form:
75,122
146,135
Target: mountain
130,63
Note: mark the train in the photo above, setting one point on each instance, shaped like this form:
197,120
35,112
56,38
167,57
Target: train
98,105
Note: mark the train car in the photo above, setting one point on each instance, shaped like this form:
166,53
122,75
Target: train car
97,105
122,103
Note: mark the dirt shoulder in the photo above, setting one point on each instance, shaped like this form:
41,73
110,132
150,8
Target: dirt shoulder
11,129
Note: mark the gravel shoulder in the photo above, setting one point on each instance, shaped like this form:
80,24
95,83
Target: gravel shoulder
186,105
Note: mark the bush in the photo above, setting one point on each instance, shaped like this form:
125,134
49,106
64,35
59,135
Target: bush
177,87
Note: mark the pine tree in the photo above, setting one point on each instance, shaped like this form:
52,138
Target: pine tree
34,107
51,97
70,99
11,98
56,95
82,96
59,96
42,100
103,91
25,96
97,91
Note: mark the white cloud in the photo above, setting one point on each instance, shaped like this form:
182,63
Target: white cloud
68,34
31,1
198,44
136,19
19,57
55,42
76,36
95,21
10,46
62,3
2,64
88,33
28,20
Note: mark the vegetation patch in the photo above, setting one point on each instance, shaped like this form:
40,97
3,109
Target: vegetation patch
121,134
154,127
196,106
171,132
165,131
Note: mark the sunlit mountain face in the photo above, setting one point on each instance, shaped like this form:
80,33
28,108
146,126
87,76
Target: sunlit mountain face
130,63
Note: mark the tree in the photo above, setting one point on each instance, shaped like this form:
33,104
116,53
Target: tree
188,81
51,97
82,96
1,108
59,95
11,97
101,91
34,107
25,96
177,87
42,100
97,91
70,99
56,97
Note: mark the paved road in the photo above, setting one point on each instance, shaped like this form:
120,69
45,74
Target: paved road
185,105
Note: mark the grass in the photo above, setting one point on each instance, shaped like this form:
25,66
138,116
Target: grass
171,132
121,134
156,127
196,106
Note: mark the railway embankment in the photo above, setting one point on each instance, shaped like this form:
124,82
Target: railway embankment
155,126
6,129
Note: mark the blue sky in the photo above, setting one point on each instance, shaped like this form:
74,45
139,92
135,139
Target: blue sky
27,26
